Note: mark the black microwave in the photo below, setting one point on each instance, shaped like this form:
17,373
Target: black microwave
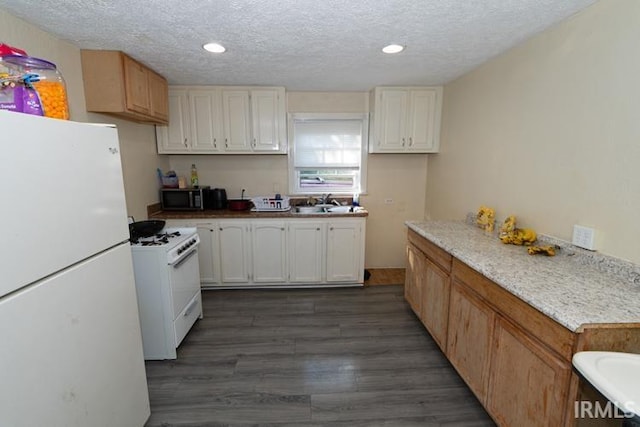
179,199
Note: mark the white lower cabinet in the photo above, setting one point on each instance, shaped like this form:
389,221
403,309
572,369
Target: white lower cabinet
279,252
269,250
306,251
208,250
208,254
345,251
235,255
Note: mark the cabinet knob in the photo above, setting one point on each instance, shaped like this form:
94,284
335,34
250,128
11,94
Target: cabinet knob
318,229
220,228
282,229
330,228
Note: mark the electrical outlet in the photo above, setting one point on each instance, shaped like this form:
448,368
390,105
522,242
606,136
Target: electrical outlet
584,237
388,201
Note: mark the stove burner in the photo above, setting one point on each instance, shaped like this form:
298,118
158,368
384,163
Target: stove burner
151,243
168,235
155,240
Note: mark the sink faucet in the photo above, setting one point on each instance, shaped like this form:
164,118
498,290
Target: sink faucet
335,202
324,198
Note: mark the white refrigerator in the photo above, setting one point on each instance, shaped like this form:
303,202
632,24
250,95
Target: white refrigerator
70,341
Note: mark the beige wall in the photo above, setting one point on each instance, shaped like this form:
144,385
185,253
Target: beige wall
398,179
137,142
550,132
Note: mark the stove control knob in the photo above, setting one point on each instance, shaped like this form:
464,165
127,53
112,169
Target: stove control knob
180,251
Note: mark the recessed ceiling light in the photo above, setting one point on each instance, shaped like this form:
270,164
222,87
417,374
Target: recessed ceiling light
214,47
393,48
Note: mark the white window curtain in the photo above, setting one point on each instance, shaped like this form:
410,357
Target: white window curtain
327,153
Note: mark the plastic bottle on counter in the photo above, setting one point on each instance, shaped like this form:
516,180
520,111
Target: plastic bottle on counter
194,176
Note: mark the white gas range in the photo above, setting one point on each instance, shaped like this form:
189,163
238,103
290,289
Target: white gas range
167,278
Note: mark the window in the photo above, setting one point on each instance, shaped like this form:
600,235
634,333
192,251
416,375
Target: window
327,153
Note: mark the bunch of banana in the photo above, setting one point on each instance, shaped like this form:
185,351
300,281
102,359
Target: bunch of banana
544,250
486,218
509,234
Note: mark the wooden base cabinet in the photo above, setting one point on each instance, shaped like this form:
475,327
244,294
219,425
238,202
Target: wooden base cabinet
435,302
515,359
427,286
470,336
528,384
414,279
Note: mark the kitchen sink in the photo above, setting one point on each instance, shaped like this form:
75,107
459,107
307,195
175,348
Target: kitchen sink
320,209
339,209
309,209
616,375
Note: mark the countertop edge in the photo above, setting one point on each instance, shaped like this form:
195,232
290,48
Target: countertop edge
229,214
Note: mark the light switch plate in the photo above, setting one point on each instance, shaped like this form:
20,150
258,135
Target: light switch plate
584,237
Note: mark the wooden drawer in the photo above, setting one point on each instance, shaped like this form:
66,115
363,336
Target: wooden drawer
438,256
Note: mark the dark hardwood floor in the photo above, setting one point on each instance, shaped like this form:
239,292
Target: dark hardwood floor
316,357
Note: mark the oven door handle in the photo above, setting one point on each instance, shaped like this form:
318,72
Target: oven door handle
186,257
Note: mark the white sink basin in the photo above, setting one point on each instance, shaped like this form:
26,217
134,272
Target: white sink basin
309,209
615,375
339,209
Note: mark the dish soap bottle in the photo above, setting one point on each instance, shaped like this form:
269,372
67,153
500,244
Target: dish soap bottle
194,176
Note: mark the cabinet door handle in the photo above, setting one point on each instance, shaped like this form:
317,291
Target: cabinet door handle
410,141
254,142
185,142
226,142
403,142
214,143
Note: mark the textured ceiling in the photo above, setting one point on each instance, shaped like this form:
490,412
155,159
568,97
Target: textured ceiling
328,45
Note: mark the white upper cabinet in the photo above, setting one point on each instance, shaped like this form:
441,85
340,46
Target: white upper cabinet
268,120
237,120
224,120
254,120
175,138
405,119
204,109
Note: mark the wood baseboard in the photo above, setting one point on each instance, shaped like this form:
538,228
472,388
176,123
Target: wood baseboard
385,276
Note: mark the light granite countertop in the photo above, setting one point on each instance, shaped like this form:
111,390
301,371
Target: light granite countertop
576,287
